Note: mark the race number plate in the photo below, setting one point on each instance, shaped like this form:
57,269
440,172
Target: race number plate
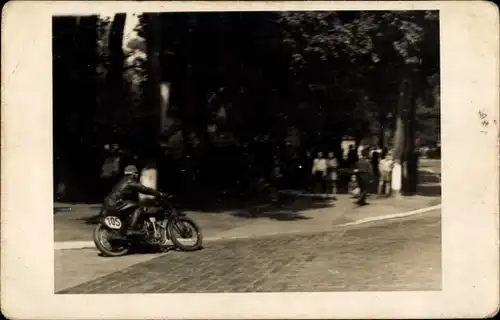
113,222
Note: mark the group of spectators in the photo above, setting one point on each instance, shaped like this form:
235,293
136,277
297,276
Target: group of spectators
357,171
363,170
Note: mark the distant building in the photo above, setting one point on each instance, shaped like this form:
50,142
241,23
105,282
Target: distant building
346,142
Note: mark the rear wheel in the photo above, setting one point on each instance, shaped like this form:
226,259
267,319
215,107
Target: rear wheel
104,242
182,230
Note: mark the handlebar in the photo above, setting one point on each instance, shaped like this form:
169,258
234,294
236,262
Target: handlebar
164,199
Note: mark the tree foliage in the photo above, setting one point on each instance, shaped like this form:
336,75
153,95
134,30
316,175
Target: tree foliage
253,76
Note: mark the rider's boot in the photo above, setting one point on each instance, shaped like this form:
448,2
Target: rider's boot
133,228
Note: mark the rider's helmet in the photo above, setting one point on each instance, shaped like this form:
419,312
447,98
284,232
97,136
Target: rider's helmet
131,170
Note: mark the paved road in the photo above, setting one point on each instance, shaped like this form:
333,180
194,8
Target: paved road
402,254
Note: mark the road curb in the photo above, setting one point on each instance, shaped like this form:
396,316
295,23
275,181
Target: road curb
392,216
308,194
74,245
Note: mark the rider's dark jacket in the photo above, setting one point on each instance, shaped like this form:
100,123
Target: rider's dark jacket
127,189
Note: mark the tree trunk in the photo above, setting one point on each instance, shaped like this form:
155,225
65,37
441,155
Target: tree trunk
115,71
399,139
149,174
406,160
410,152
149,177
381,134
358,139
165,122
186,89
135,52
73,118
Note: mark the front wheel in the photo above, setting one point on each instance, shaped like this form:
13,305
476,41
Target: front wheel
103,242
185,228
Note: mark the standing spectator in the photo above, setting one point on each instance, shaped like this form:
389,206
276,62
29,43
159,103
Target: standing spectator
332,173
319,172
375,159
386,164
351,156
364,176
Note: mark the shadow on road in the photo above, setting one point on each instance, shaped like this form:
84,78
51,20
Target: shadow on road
427,177
429,190
429,185
261,205
258,213
59,210
144,249
92,220
286,208
147,249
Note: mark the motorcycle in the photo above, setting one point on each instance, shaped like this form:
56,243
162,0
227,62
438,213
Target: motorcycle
159,223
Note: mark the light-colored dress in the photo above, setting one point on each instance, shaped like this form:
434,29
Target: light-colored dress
332,169
386,169
319,165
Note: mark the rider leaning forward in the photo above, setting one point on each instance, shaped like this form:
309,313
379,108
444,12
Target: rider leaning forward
125,194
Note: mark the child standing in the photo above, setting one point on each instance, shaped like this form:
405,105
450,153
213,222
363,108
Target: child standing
319,172
386,165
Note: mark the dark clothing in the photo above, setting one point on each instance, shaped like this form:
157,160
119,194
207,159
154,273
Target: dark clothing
351,157
124,195
364,177
320,182
363,188
365,167
127,188
307,178
375,162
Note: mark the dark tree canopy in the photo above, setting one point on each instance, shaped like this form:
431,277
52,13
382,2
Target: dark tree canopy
261,79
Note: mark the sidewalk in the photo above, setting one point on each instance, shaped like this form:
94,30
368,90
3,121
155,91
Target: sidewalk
61,206
299,216
342,212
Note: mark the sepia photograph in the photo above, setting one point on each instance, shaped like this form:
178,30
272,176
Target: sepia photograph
255,150
277,148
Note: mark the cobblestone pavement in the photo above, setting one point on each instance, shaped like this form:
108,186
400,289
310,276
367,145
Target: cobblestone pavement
403,254
73,267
